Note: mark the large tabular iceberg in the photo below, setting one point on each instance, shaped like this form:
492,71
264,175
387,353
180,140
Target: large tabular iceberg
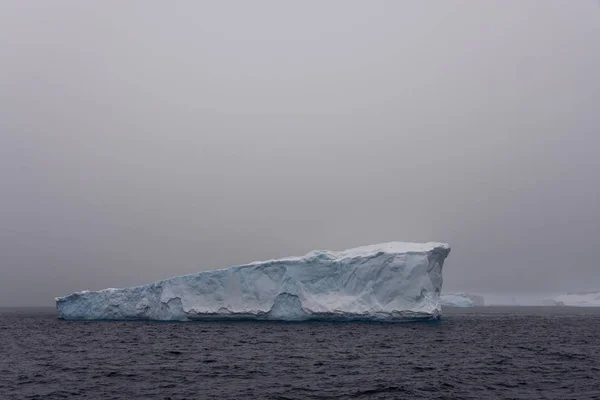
390,281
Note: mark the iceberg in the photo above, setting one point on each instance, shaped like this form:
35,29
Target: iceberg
461,300
453,300
390,282
582,299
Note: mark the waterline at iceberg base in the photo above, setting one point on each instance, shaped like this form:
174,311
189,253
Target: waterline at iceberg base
387,282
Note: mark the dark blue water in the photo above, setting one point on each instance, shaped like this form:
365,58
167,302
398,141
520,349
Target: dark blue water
484,353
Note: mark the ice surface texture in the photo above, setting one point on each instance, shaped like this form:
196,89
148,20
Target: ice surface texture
389,281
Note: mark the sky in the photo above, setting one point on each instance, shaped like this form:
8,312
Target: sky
142,140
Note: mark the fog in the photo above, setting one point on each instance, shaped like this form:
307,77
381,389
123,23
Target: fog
143,140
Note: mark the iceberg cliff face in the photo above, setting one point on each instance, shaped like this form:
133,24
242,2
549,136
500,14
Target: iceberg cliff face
390,281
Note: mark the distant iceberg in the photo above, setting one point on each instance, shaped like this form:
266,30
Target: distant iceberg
391,281
581,299
461,300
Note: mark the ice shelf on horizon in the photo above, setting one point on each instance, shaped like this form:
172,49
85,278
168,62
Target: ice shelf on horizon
581,299
389,281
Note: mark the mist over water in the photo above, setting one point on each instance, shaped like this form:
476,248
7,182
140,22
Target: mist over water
144,141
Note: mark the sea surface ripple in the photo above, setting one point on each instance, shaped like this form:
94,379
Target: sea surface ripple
479,353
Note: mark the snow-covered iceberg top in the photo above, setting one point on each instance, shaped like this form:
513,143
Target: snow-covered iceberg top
585,299
389,281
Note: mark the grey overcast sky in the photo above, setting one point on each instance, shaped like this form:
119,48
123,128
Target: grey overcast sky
146,139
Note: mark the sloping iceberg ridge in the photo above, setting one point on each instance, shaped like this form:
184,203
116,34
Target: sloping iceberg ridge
390,281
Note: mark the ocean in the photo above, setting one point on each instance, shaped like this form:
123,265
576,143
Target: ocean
476,353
